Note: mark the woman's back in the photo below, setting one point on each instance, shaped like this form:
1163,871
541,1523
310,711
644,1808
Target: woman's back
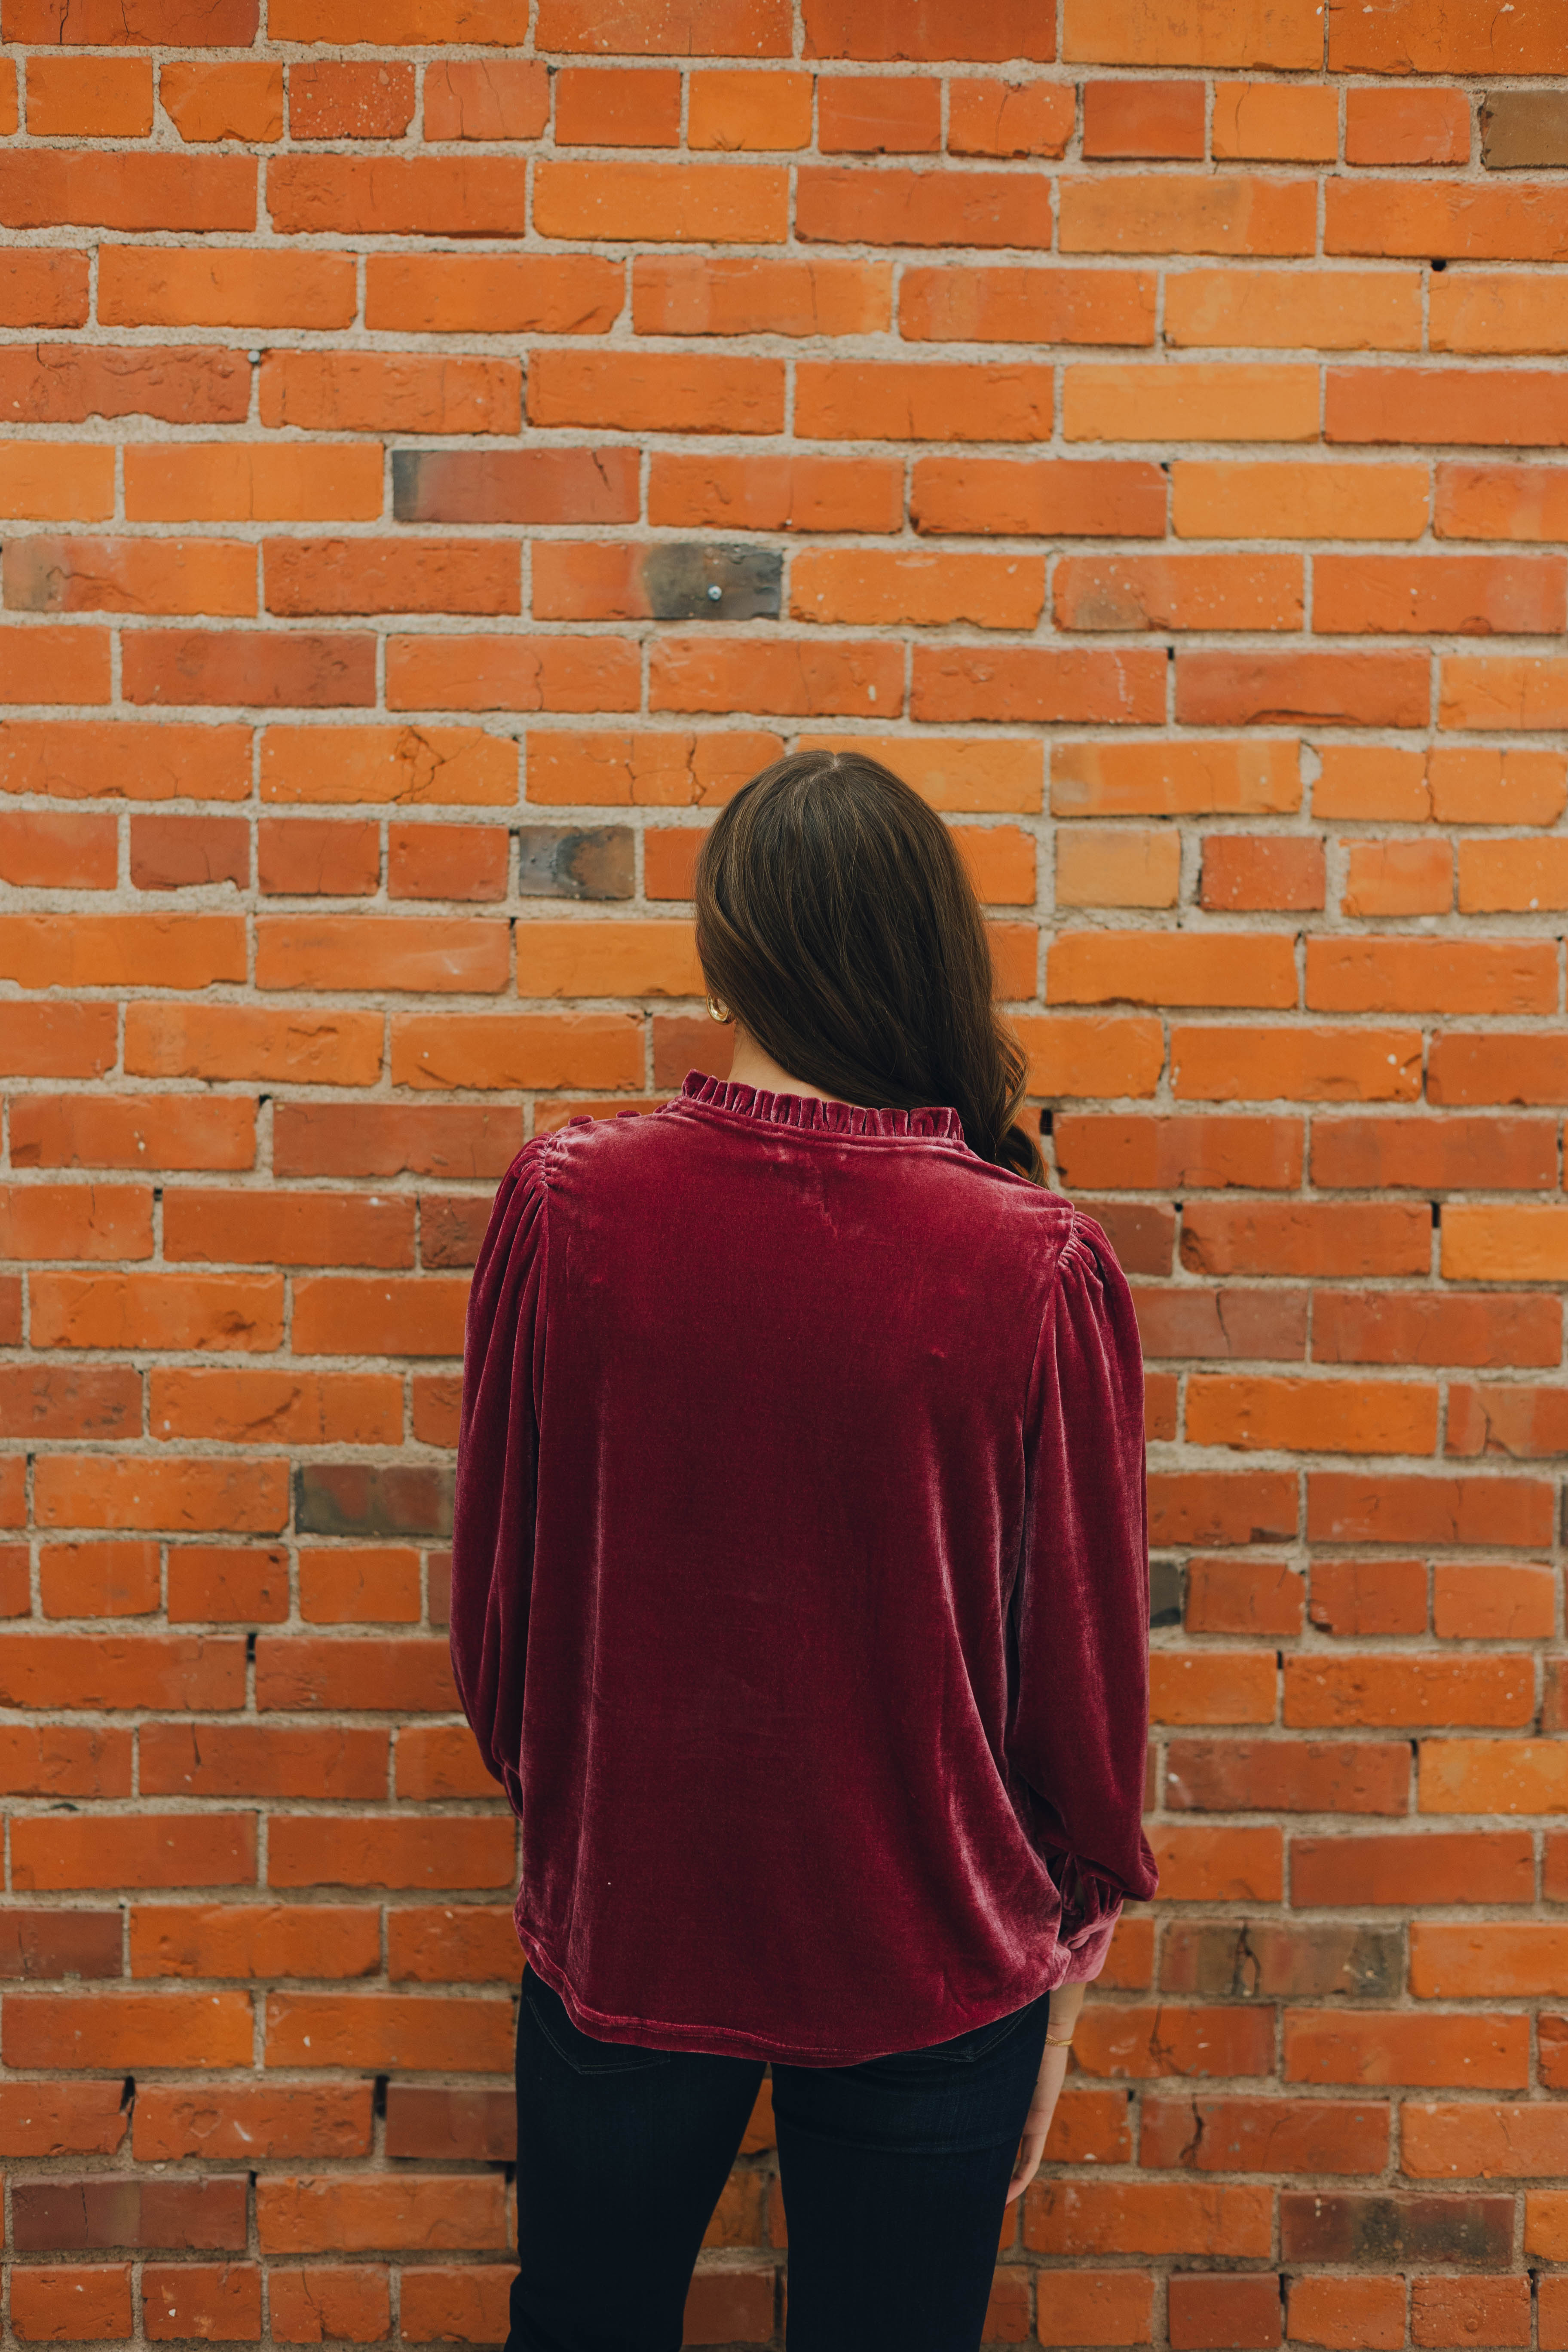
799,1585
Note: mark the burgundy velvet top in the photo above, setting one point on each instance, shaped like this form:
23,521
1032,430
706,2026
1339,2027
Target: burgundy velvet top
800,1579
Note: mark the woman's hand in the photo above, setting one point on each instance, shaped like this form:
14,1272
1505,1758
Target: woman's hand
1066,2003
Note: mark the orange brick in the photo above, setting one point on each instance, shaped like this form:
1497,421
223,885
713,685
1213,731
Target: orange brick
1486,311
1301,1064
1280,499
1519,407
1408,126
1196,400
1312,1416
1193,33
155,287
680,294
1168,968
1446,596
130,575
1117,866
1178,592
89,98
1178,213
1347,2314
1026,305
1500,501
1277,309
865,587
1275,122
1398,877
1174,778
705,203
1007,119
870,114
194,481
1457,219
233,101
747,112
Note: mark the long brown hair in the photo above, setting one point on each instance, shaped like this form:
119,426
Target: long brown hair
835,919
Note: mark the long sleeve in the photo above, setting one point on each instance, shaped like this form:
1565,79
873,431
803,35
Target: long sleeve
1078,1729
497,1446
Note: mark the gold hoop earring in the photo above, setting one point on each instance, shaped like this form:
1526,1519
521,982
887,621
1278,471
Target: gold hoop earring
718,1012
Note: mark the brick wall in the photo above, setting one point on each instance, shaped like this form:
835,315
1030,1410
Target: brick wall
427,495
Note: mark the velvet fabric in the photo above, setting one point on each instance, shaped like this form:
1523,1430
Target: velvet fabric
800,1575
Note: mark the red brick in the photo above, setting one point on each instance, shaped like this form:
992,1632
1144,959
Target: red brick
104,24
1483,2053
1163,119
58,2303
489,98
676,294
200,2300
42,187
1047,497
390,392
1251,2135
848,204
1434,1867
1408,126
350,2303
736,204
1224,2310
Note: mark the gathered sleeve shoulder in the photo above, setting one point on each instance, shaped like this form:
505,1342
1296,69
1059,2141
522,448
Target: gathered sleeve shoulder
1079,1722
498,1454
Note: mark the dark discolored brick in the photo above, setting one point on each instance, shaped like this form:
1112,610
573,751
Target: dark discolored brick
355,1499
693,582
451,1227
514,485
1366,2227
48,1944
563,861
1187,1320
1252,1960
1524,130
1167,1591
458,2127
1142,1232
110,2210
455,1142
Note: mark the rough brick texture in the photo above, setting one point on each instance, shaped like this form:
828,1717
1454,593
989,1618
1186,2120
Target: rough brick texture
446,448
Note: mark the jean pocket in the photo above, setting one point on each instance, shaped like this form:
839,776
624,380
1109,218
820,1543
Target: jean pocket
580,2051
965,2049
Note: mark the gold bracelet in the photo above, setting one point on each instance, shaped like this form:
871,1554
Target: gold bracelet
1059,2041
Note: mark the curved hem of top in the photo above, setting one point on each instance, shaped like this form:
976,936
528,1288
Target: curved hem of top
698,2041
936,1122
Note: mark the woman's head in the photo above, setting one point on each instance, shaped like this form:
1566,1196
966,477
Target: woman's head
837,921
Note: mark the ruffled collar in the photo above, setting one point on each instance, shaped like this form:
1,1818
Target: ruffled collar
823,1118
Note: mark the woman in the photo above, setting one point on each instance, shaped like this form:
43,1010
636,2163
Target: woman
800,1605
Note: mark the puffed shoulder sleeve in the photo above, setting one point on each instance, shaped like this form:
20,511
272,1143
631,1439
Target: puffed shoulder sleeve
498,1454
1080,1722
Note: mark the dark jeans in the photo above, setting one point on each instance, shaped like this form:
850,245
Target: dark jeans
895,2177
